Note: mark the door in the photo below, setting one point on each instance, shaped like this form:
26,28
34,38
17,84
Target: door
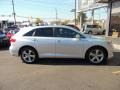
45,42
66,43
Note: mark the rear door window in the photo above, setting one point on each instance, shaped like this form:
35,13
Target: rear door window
44,32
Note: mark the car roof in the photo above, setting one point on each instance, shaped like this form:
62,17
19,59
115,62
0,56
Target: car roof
49,26
52,26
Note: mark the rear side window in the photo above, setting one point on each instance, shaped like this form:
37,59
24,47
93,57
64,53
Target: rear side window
44,32
89,26
93,26
30,33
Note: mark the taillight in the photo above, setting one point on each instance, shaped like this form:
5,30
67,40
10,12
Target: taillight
12,40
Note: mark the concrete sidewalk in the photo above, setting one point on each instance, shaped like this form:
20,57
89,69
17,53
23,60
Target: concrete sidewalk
115,42
116,46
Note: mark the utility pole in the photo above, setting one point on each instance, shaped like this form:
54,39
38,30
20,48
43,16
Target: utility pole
56,16
75,13
109,30
14,14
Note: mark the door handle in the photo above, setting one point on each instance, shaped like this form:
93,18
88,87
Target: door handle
33,39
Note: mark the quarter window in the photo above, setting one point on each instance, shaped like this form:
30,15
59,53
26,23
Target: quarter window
30,33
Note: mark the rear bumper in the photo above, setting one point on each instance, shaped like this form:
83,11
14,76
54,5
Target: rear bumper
13,51
110,55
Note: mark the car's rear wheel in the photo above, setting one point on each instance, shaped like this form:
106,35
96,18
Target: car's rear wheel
96,55
29,55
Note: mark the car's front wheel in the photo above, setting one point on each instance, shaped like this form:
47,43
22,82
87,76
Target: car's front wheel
29,55
96,55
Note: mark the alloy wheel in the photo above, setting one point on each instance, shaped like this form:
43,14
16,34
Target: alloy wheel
28,55
96,56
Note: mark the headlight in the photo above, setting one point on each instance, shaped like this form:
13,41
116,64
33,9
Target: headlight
109,42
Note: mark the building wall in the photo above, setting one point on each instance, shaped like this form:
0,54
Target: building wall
116,7
82,4
93,11
115,17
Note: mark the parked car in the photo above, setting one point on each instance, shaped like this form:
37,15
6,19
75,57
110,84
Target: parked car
11,33
6,30
73,26
91,29
4,41
59,42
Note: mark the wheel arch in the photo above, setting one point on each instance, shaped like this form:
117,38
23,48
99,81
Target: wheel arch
28,46
96,46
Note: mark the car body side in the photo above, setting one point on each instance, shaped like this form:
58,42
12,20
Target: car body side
87,43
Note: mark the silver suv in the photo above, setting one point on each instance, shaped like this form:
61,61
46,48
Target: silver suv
58,42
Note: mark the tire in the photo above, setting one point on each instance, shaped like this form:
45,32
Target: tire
90,32
29,55
96,55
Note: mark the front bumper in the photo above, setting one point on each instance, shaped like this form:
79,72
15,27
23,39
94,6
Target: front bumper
110,50
110,55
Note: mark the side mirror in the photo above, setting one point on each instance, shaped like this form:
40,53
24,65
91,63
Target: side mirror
78,37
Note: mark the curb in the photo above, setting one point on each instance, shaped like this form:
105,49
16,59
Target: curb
116,46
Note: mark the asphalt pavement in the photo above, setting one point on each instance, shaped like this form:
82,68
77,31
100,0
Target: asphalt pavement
58,74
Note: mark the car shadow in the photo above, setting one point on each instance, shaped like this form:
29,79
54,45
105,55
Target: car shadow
115,61
67,61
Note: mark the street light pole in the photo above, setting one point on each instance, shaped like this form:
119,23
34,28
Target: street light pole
14,14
